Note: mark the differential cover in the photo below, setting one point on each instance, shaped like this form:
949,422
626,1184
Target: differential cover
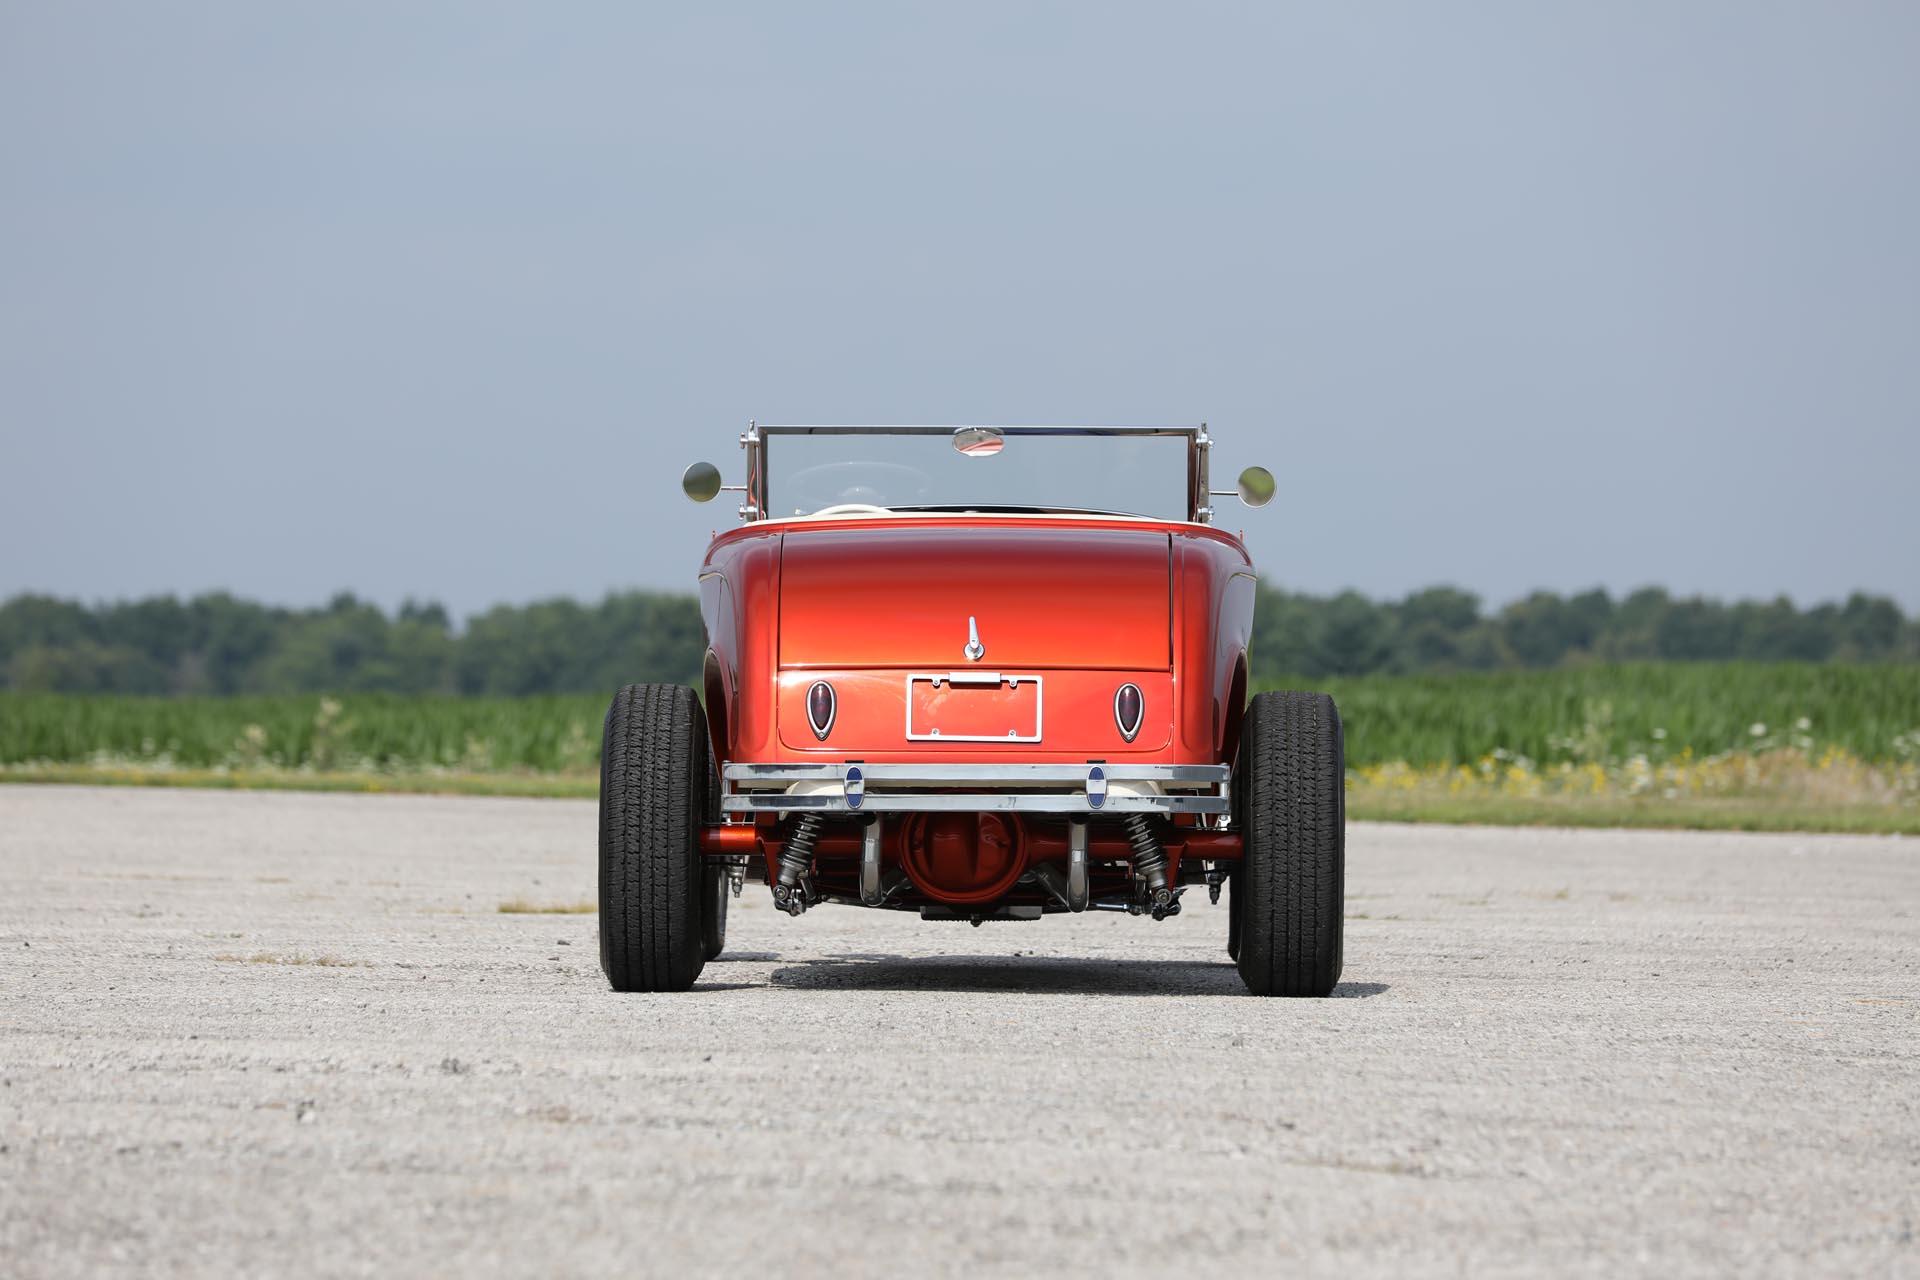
964,858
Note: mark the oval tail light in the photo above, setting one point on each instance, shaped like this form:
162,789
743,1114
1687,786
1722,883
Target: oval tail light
1129,710
821,705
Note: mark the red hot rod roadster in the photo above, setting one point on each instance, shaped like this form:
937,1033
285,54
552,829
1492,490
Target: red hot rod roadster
981,673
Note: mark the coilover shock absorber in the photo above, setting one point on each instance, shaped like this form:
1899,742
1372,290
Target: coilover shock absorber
1150,866
791,891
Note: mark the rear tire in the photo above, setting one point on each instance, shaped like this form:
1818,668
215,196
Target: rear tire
654,788
1289,893
1233,921
715,888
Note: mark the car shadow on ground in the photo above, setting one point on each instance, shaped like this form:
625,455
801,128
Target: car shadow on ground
1044,975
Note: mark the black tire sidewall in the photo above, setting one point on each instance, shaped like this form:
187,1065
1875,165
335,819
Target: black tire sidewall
715,889
1290,802
655,790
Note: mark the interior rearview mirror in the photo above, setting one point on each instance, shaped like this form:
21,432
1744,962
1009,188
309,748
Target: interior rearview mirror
701,482
978,442
1256,486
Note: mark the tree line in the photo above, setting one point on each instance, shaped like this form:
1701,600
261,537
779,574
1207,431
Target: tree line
218,644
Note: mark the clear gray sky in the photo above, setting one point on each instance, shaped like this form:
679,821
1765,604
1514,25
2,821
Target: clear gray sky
438,299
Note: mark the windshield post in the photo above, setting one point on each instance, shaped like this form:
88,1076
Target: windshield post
1199,501
755,506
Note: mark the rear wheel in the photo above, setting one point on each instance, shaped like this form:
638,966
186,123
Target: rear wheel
716,886
1289,893
715,889
654,789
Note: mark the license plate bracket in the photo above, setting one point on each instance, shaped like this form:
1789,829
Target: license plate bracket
973,706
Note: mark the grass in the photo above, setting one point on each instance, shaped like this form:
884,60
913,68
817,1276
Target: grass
364,733
560,786
1710,745
1615,712
1690,814
1871,711
522,907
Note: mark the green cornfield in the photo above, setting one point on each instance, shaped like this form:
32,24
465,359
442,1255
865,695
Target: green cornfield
378,731
1592,713
1615,712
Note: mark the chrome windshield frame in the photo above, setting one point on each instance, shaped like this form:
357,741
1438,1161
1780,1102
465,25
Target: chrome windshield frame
755,438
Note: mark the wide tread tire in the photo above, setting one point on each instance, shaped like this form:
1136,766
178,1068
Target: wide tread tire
1233,922
715,889
654,791
1290,889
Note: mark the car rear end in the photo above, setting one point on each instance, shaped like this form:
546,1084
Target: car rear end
977,721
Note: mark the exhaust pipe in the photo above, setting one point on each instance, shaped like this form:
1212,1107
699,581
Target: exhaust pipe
871,892
1078,889
1072,889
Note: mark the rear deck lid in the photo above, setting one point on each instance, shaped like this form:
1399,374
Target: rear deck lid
900,594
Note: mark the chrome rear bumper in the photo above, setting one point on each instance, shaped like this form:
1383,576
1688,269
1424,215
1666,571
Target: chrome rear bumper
855,788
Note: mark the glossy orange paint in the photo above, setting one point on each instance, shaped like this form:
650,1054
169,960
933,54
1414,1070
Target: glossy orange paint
1085,603
729,841
1076,716
963,858
900,594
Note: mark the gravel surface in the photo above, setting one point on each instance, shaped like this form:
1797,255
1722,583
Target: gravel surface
290,1034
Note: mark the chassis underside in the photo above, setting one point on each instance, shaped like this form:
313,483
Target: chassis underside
977,842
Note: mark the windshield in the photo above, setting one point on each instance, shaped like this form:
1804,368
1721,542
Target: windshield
1127,475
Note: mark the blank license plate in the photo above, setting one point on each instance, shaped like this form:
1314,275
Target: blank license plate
967,706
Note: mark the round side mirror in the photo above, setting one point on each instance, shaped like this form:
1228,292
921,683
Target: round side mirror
1256,486
701,482
978,442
